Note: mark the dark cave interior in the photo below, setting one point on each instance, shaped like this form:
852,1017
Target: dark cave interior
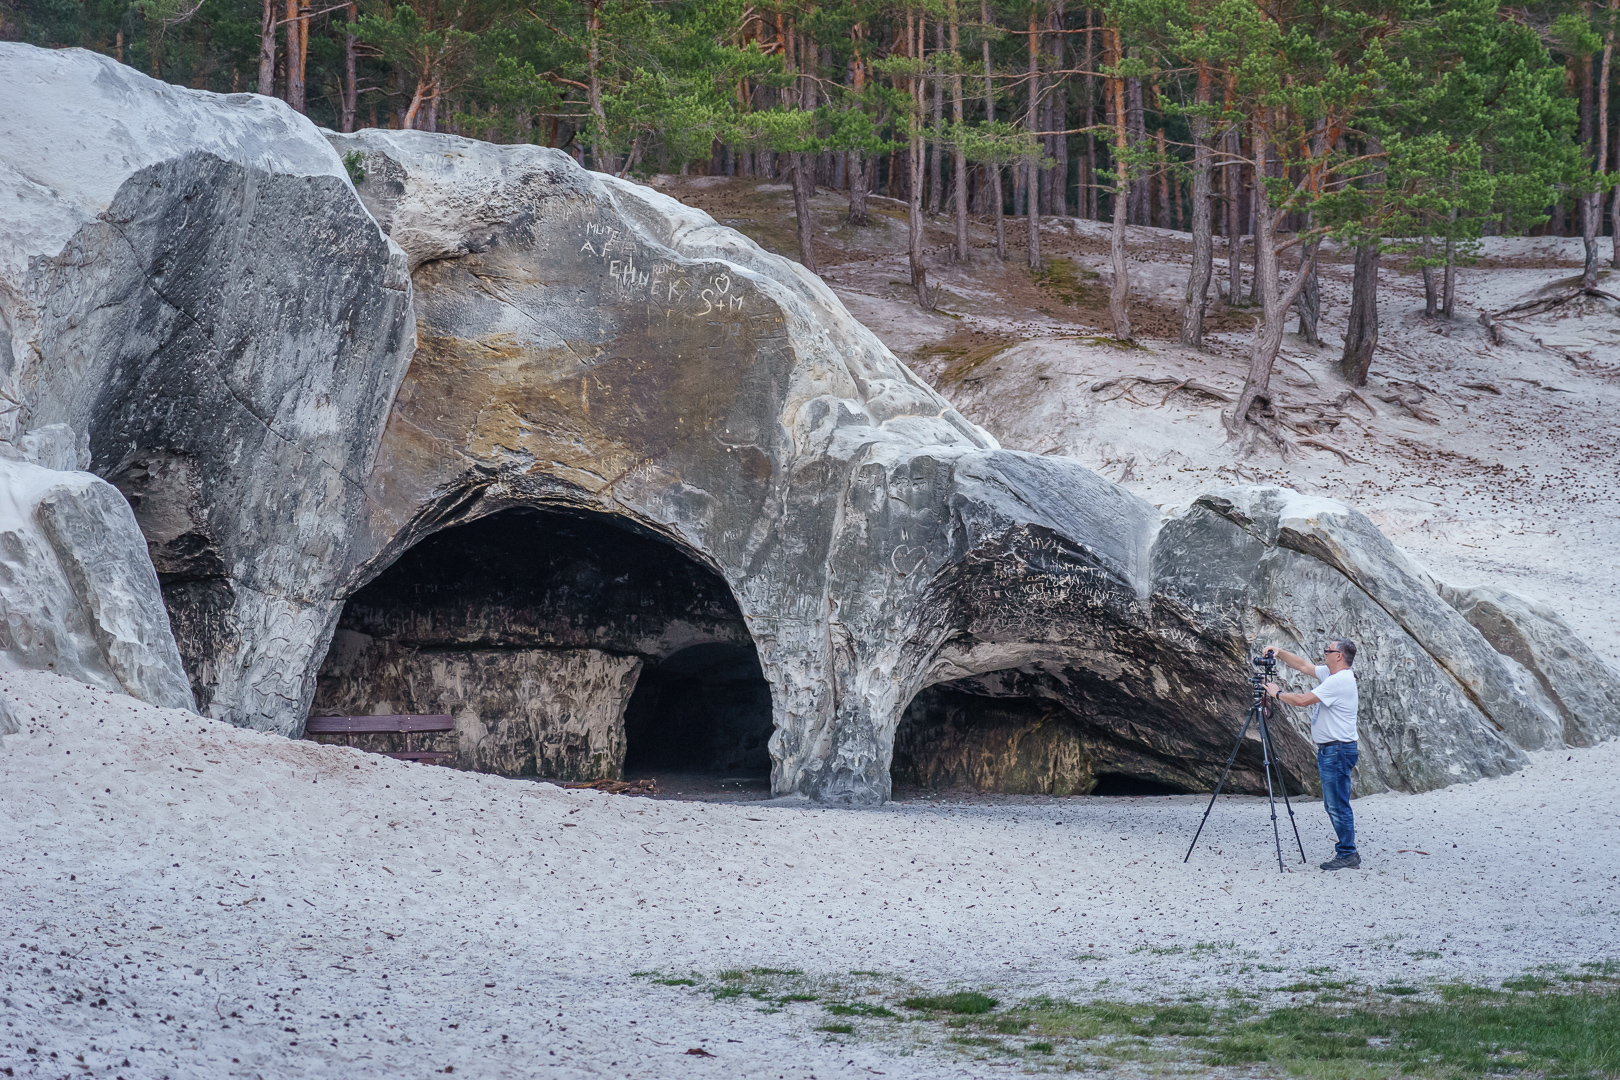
517,615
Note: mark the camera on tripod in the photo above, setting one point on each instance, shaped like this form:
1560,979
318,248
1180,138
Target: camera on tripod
1262,669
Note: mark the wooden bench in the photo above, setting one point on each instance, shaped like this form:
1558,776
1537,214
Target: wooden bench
406,724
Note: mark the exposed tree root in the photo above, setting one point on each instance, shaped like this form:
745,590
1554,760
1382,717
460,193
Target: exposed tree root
1490,319
1127,383
1344,456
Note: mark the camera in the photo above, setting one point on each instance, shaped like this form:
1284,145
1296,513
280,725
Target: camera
1267,663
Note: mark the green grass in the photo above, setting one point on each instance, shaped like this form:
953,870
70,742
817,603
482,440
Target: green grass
1066,280
1549,1023
1551,1035
969,1002
858,1008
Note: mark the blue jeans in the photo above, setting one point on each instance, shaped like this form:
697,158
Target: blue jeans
1333,763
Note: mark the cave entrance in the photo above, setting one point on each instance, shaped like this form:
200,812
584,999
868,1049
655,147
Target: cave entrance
1018,733
700,723
565,646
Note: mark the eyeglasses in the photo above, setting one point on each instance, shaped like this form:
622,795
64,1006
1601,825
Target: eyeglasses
1326,651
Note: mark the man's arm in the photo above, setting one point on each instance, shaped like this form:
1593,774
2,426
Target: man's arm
1298,663
1291,699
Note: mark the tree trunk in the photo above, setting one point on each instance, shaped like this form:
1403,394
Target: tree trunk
1089,194
959,169
936,148
858,187
415,107
1164,180
295,63
267,50
1119,297
803,188
990,117
1231,177
804,164
1361,336
1254,403
1588,206
601,160
914,159
1032,174
1203,240
1596,212
1431,292
1448,302
1058,105
433,108
1141,208
303,47
351,81
1309,303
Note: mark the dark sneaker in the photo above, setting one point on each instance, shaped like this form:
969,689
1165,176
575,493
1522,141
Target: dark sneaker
1343,862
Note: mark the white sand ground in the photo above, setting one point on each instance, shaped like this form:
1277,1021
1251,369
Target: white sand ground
180,898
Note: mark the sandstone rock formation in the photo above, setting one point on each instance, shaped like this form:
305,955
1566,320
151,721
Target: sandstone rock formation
645,485
77,592
188,282
1580,688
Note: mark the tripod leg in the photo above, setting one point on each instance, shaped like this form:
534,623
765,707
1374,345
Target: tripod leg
1282,785
1248,718
1265,753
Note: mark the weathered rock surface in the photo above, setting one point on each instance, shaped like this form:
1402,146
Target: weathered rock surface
77,592
193,287
518,712
188,283
1293,571
951,740
1580,687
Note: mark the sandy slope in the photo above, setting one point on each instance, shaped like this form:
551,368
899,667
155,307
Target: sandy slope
203,901
1512,485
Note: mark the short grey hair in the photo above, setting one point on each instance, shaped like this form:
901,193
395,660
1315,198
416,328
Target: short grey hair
1346,647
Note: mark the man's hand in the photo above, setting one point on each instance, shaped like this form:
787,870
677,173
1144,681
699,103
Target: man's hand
1272,689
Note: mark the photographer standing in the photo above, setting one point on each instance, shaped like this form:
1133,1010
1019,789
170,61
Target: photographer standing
1333,729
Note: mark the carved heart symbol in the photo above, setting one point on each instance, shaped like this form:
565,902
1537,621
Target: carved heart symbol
722,283
907,558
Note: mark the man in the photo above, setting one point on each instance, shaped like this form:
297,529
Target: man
1333,729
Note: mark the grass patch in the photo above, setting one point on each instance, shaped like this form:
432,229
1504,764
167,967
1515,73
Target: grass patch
676,982
1400,991
967,358
1066,281
1562,1035
1159,950
837,1029
968,1002
1527,983
858,1008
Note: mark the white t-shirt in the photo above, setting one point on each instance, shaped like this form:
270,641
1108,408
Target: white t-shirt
1334,720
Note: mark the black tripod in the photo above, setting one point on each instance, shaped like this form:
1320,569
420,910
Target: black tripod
1259,712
